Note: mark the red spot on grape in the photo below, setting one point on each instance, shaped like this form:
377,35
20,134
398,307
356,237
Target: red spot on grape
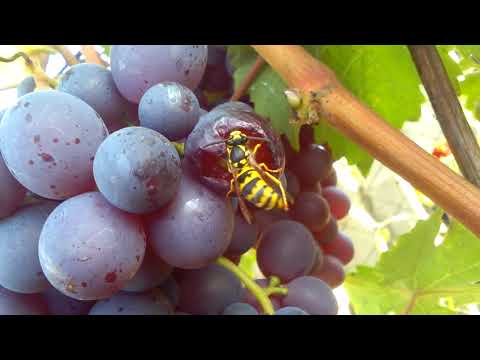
67,143
53,187
55,140
111,277
30,162
28,117
46,157
138,258
84,284
36,139
77,141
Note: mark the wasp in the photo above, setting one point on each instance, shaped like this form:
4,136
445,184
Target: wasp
252,181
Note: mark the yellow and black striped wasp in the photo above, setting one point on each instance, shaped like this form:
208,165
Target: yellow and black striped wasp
251,181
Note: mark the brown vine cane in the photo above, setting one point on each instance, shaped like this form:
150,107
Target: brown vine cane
322,95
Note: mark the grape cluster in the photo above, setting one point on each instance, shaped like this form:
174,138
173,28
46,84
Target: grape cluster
103,213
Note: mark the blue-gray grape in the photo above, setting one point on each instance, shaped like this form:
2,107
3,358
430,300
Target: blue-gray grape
136,68
137,170
94,84
312,295
287,249
194,229
48,141
26,86
290,310
208,291
239,308
153,302
152,273
169,108
20,269
59,304
89,249
12,192
12,303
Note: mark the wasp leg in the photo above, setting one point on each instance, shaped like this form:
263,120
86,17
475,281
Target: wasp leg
232,188
241,202
262,165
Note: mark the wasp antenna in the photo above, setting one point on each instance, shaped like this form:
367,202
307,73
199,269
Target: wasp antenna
258,138
214,143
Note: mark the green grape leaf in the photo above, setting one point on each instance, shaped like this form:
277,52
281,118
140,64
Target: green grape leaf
383,76
417,277
470,88
453,69
106,48
469,55
266,92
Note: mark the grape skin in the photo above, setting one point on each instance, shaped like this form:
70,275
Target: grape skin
244,236
287,250
208,291
312,210
171,290
59,304
90,258
328,233
239,308
312,295
94,84
58,135
337,200
26,86
152,273
12,192
169,108
136,68
12,303
137,170
341,247
153,302
194,229
290,310
20,269
312,164
331,271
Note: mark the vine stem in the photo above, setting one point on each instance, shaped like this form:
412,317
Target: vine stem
251,285
324,97
248,80
448,110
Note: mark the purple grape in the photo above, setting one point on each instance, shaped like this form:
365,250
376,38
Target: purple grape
341,247
153,302
331,271
94,84
337,200
290,310
312,164
208,291
312,210
11,192
312,295
233,105
194,229
169,108
136,68
59,304
12,303
328,233
58,135
170,288
239,308
265,218
287,249
153,272
137,170
243,238
293,185
89,249
20,269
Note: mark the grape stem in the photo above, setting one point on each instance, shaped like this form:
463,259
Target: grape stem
91,55
248,80
180,148
70,59
41,78
256,290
